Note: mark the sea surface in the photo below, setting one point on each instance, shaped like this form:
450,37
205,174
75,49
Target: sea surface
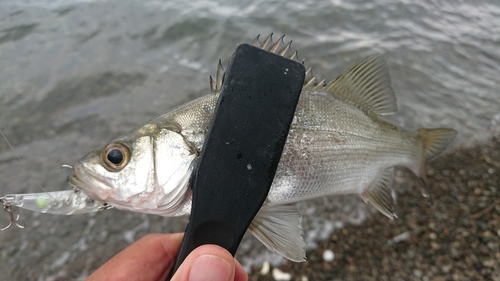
76,74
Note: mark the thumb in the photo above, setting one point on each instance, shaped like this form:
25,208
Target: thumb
210,263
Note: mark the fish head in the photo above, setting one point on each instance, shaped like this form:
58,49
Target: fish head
146,170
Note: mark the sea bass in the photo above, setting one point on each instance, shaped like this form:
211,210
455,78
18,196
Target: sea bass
337,144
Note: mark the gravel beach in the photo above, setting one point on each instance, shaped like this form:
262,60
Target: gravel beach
455,238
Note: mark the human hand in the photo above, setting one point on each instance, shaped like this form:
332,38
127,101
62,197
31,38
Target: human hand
152,257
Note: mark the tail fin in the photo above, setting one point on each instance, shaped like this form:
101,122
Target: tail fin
436,140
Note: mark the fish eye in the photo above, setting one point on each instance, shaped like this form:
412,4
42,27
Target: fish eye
116,156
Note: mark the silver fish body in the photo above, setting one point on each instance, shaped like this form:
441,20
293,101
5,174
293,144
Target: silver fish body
337,144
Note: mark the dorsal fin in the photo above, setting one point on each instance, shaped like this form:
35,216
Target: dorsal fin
310,81
219,79
278,47
366,85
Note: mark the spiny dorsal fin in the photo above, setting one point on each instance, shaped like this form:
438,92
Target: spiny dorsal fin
219,79
380,194
279,47
366,85
320,85
275,46
436,140
311,82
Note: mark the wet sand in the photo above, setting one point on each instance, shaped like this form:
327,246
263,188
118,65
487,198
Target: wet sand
455,238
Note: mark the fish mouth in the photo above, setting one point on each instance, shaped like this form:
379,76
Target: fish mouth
87,183
78,180
75,181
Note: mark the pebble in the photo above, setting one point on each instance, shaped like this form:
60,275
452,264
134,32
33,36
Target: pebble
279,275
435,246
401,237
489,263
265,268
328,255
486,234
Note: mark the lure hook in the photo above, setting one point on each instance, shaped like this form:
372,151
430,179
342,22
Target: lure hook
13,219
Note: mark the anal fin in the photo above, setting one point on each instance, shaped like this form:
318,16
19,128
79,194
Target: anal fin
279,228
380,194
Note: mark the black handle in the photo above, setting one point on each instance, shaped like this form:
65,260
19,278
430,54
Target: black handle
243,147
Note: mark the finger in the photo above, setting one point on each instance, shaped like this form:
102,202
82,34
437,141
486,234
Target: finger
239,273
210,263
150,258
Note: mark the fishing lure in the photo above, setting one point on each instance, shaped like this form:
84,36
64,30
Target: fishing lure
67,202
13,218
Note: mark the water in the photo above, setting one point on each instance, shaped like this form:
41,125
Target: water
75,74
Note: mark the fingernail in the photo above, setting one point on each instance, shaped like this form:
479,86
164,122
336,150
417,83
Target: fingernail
210,268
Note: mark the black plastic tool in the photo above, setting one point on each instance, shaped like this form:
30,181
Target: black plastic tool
243,147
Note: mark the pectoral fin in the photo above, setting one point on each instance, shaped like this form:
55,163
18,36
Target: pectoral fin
280,229
380,194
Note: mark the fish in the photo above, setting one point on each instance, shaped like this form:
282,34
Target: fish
338,144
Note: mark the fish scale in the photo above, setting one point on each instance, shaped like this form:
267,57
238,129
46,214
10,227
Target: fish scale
356,135
329,171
